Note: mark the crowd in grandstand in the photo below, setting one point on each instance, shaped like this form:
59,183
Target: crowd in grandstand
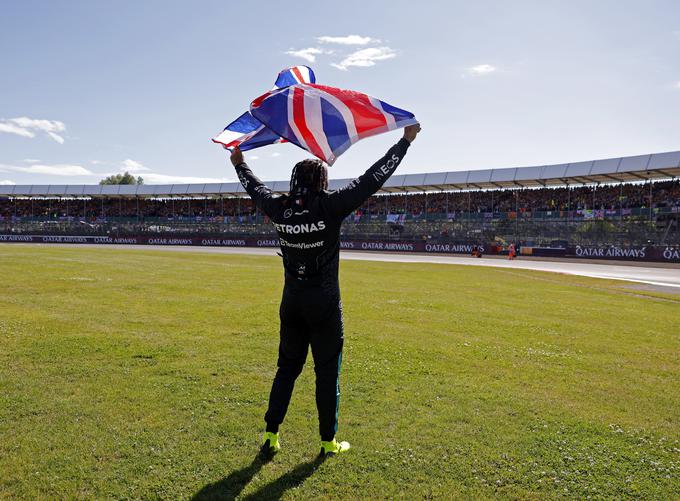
623,196
445,205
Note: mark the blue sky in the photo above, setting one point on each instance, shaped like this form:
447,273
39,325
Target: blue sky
89,88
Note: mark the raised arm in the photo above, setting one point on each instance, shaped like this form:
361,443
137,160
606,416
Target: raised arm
342,202
258,191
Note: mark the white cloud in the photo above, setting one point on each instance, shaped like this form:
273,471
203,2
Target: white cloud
481,69
10,128
677,85
6,182
365,57
130,165
26,127
31,160
56,137
309,54
348,40
50,170
168,179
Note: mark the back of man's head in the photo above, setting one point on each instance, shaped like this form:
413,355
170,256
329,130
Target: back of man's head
309,176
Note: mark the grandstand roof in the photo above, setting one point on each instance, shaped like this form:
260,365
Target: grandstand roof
655,166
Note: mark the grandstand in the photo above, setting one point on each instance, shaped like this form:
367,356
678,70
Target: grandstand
625,202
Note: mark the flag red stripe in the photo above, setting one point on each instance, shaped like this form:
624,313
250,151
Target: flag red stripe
259,100
298,74
300,121
366,116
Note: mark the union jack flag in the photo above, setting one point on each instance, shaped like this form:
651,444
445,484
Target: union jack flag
249,133
324,120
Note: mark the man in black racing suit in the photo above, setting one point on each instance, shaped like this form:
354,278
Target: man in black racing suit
308,222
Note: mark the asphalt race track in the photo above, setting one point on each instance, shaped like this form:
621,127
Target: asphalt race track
657,276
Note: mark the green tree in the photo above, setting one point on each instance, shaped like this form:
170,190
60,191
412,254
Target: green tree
126,178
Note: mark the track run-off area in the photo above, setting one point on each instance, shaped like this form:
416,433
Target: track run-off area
658,276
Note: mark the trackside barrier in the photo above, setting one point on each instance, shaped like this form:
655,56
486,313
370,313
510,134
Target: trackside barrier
632,253
629,253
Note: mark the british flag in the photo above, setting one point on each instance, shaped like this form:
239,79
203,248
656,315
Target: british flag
249,133
324,120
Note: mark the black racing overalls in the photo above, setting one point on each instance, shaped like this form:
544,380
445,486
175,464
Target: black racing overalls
311,311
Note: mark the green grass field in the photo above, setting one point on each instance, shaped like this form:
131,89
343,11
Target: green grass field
145,375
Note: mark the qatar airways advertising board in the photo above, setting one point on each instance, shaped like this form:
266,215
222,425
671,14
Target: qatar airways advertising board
665,253
630,253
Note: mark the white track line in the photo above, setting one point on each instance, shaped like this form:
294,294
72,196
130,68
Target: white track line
662,277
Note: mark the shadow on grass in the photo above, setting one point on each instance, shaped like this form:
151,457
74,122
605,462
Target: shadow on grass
294,478
232,485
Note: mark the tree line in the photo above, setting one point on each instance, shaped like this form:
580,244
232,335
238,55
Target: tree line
125,178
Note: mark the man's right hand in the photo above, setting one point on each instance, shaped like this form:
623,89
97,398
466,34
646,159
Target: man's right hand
411,132
236,156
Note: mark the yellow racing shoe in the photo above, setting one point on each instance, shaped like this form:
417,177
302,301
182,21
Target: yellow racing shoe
270,445
333,448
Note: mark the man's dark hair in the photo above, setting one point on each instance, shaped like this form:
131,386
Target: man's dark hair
309,175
